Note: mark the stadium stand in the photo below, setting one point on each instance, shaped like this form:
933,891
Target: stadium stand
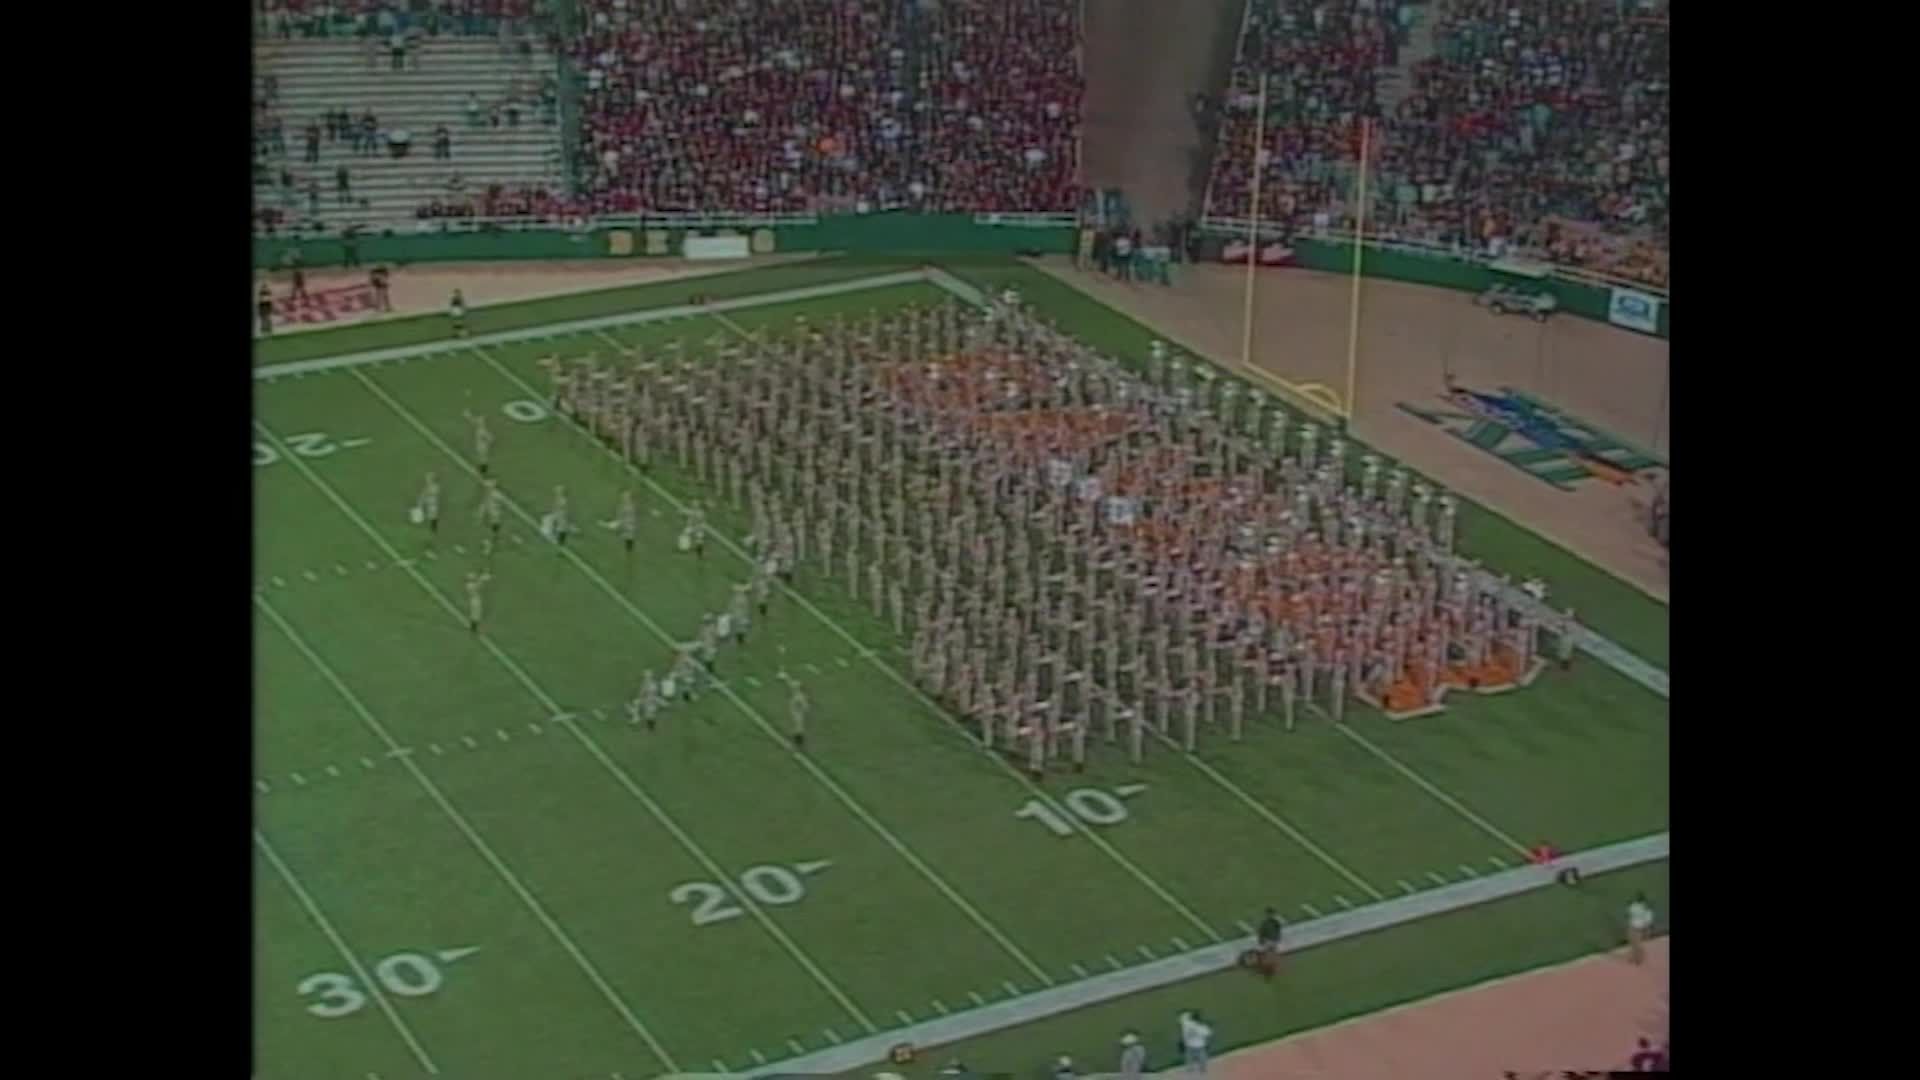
1522,126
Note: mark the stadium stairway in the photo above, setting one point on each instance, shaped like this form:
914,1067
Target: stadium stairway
331,73
1396,82
1145,60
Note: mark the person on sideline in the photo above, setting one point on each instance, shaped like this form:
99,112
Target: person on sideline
1133,1055
1639,926
1194,1037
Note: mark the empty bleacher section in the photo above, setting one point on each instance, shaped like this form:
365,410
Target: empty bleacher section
435,112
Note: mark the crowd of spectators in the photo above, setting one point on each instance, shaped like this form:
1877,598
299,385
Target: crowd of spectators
366,18
1538,127
829,105
533,202
1002,88
743,106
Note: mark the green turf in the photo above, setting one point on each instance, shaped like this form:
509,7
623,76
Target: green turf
554,846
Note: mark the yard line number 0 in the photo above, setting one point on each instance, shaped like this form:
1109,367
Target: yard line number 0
1091,805
404,974
774,886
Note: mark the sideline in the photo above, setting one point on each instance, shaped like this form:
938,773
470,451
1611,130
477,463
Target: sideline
1304,935
548,331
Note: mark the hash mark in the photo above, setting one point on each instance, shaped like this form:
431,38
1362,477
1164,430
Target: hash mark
1311,913
1114,963
977,999
333,770
719,1066
1146,952
1180,945
435,747
431,554
1342,901
1410,889
830,1033
535,728
1245,926
905,1020
310,575
1437,879
1468,870
797,1048
1128,791
279,583
300,780
371,565
939,1006
1078,970
471,745
339,569
1012,990
459,549
1497,861
262,785
842,661
815,668
502,732
758,1057
752,681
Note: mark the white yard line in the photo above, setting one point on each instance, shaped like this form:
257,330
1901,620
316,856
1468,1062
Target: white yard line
346,952
1167,971
873,658
473,836
583,326
1421,782
892,673
846,799
539,693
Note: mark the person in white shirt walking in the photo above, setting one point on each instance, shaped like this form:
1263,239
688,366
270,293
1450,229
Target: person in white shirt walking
1194,1036
1639,926
1133,1055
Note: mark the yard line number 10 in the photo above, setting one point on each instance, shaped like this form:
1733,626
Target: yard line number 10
1091,805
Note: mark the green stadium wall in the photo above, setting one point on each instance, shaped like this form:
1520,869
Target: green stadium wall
1587,301
866,234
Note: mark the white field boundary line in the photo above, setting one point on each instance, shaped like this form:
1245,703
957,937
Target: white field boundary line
1439,794
554,708
1610,653
1261,810
466,828
692,272
1034,790
583,326
853,806
346,952
1325,930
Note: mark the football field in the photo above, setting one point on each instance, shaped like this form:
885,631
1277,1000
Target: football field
470,864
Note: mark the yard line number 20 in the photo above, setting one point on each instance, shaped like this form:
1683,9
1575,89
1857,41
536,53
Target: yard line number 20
774,886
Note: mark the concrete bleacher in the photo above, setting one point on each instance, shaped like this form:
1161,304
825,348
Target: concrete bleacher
321,74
